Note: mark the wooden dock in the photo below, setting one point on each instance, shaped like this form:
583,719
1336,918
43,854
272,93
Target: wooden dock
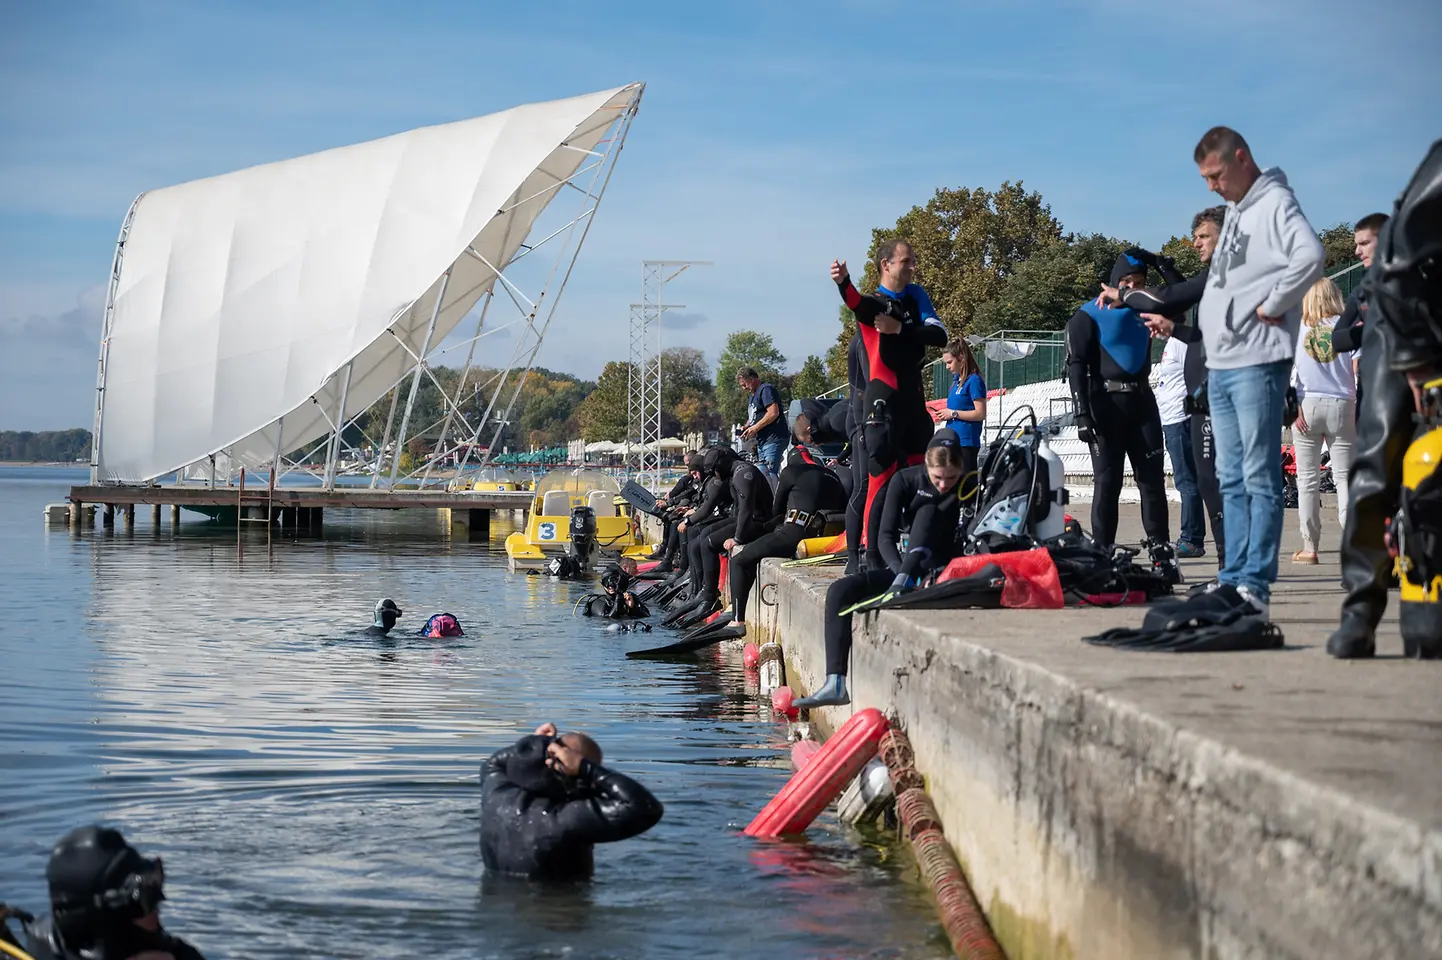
300,508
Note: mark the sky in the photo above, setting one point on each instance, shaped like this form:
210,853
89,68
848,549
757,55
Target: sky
772,137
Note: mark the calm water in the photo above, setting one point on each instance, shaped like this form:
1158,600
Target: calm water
314,792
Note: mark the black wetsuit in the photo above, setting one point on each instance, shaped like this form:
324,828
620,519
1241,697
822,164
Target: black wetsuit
682,495
856,375
893,417
806,491
535,824
913,507
42,941
715,496
751,494
1172,302
1108,359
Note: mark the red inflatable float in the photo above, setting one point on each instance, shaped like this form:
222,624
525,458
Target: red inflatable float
823,778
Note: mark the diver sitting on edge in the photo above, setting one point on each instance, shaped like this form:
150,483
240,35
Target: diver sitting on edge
546,801
921,503
104,903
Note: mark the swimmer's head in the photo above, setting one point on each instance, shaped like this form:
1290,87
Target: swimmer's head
582,744
387,613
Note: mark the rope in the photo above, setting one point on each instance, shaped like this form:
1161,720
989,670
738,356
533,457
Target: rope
961,916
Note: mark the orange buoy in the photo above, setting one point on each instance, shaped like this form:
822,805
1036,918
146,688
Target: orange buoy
823,778
781,699
750,656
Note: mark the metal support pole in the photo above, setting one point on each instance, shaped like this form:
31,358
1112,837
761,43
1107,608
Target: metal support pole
416,380
460,389
334,453
386,437
105,327
275,461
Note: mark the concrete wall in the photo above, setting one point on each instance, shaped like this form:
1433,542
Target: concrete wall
1090,828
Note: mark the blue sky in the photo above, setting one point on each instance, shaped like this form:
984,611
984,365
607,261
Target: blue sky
772,137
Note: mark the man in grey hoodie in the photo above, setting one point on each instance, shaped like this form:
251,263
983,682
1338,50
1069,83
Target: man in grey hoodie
1266,260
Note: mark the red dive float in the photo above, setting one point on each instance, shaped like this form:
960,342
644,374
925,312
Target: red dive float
823,777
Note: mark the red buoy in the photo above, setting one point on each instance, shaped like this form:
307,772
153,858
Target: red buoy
823,778
802,753
781,699
648,566
750,656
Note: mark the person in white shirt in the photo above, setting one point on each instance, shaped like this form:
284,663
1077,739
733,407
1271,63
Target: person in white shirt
1326,385
1171,393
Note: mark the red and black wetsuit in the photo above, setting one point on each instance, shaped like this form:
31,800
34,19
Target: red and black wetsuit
893,418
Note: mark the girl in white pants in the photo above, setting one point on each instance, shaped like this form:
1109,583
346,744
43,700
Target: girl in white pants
1326,385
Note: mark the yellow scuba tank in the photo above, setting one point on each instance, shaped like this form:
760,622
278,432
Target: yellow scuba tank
1419,523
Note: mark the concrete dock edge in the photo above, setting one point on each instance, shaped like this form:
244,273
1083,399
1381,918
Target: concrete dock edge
1092,826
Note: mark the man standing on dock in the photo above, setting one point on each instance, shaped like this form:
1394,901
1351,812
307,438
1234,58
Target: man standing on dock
764,422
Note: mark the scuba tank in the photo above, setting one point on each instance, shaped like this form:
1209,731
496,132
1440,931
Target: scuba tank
1419,535
1051,523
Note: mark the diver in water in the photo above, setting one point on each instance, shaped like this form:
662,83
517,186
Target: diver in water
921,503
441,625
894,326
806,493
386,615
616,601
1108,359
104,903
546,801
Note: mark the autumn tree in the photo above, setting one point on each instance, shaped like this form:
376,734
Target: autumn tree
1340,242
1043,291
966,243
745,348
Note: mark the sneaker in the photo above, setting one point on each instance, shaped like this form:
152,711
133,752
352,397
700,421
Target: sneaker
1262,607
1189,551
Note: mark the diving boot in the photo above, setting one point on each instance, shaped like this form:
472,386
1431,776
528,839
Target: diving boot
832,693
685,609
1164,561
703,608
1352,640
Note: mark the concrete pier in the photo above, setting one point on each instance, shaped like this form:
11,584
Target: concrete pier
1120,804
469,523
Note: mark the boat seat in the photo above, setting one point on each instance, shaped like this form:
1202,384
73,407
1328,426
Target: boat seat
556,503
602,503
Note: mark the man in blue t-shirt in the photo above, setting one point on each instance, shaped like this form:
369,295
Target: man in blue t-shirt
764,422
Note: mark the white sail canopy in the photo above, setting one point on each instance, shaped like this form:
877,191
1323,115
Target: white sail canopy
248,303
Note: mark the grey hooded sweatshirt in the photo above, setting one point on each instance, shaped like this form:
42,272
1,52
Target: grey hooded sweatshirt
1266,260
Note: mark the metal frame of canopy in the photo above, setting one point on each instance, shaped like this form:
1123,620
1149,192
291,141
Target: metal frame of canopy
533,317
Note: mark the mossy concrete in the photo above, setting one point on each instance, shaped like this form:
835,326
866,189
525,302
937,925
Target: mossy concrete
1114,804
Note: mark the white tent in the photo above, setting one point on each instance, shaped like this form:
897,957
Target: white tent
670,445
252,313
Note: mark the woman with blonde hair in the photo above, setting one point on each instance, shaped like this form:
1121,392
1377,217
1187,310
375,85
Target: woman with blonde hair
1326,385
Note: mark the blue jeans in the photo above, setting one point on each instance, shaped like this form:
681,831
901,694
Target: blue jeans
1247,426
1178,438
768,455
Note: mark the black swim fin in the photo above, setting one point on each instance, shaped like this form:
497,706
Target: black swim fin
698,638
686,609
980,590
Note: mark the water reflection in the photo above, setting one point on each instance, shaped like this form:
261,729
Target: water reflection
313,789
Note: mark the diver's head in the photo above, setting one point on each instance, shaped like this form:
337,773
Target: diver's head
100,884
387,613
896,263
582,744
1128,273
1365,236
718,462
801,429
943,460
1206,231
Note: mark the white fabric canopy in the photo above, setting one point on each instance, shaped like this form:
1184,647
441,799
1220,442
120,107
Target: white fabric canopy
241,299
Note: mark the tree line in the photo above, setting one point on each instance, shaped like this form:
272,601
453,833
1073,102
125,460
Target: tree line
995,260
45,446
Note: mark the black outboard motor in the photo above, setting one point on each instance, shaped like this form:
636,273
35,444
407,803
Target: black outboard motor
583,535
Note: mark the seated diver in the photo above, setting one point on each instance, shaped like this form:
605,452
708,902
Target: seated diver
672,506
751,498
919,503
386,614
546,800
104,903
806,492
710,502
713,511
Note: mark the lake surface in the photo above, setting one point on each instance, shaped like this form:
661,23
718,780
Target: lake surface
315,792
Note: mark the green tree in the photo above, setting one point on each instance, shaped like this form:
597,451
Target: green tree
836,353
55,446
602,415
1340,242
683,372
745,348
1180,249
694,411
811,379
1043,291
966,243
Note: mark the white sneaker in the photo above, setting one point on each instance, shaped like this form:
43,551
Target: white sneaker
1263,608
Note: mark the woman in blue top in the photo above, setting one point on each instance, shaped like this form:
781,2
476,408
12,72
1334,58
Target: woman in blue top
966,403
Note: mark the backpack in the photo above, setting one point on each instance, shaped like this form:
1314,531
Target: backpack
442,625
1405,282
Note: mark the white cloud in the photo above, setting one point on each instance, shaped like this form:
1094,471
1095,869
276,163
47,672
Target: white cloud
47,367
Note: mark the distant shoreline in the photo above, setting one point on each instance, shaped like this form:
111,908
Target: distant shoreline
44,463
